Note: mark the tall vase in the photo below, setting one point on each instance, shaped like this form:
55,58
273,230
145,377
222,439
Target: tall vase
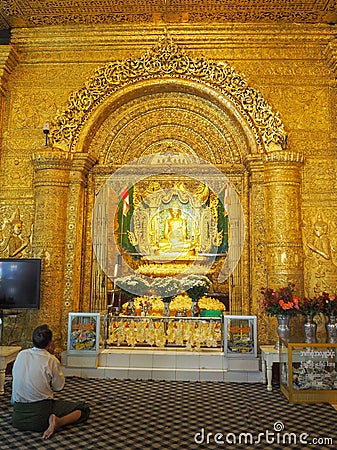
283,329
310,329
331,330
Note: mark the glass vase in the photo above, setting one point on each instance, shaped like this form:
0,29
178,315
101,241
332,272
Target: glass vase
283,329
331,329
310,329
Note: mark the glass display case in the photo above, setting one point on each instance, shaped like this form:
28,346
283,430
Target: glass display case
240,336
83,333
308,372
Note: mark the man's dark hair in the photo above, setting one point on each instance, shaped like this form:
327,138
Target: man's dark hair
42,336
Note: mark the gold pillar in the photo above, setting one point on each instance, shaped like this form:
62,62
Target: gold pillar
77,214
282,172
51,185
256,230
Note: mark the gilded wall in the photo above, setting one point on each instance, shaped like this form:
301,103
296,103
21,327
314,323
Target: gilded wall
287,183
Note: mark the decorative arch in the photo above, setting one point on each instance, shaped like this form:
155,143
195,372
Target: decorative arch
167,61
165,114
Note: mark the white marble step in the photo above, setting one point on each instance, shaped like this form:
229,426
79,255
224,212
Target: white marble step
163,364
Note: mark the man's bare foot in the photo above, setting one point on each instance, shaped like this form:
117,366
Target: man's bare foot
52,427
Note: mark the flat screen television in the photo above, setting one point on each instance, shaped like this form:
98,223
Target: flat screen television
20,283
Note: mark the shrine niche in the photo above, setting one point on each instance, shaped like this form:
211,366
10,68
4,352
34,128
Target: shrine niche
162,225
174,223
147,106
172,228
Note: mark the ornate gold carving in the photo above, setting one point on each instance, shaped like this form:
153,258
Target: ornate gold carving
321,261
10,8
166,59
15,237
63,12
18,174
150,234
160,122
251,15
32,109
283,233
264,204
330,53
321,242
8,61
82,163
280,157
51,193
285,70
50,158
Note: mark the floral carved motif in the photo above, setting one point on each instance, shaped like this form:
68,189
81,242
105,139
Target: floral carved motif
61,12
167,60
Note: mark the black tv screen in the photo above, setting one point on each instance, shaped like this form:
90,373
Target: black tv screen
20,283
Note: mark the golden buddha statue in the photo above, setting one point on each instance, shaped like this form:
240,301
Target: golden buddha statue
175,234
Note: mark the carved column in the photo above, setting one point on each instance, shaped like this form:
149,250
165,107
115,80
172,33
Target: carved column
76,216
256,229
51,185
283,219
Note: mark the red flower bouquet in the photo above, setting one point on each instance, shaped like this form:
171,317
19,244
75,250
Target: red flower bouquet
310,306
328,304
281,301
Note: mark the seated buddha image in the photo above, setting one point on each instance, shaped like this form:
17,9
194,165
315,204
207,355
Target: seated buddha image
175,233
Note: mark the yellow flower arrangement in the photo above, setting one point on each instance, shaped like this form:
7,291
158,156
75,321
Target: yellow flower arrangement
211,303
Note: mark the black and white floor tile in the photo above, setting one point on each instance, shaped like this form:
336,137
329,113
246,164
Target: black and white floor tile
136,414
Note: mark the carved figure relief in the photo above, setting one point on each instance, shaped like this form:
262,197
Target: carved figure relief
324,266
321,244
14,243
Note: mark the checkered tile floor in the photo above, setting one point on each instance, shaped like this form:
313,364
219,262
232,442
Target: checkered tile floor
135,414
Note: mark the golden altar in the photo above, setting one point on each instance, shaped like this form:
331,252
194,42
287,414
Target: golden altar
190,333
